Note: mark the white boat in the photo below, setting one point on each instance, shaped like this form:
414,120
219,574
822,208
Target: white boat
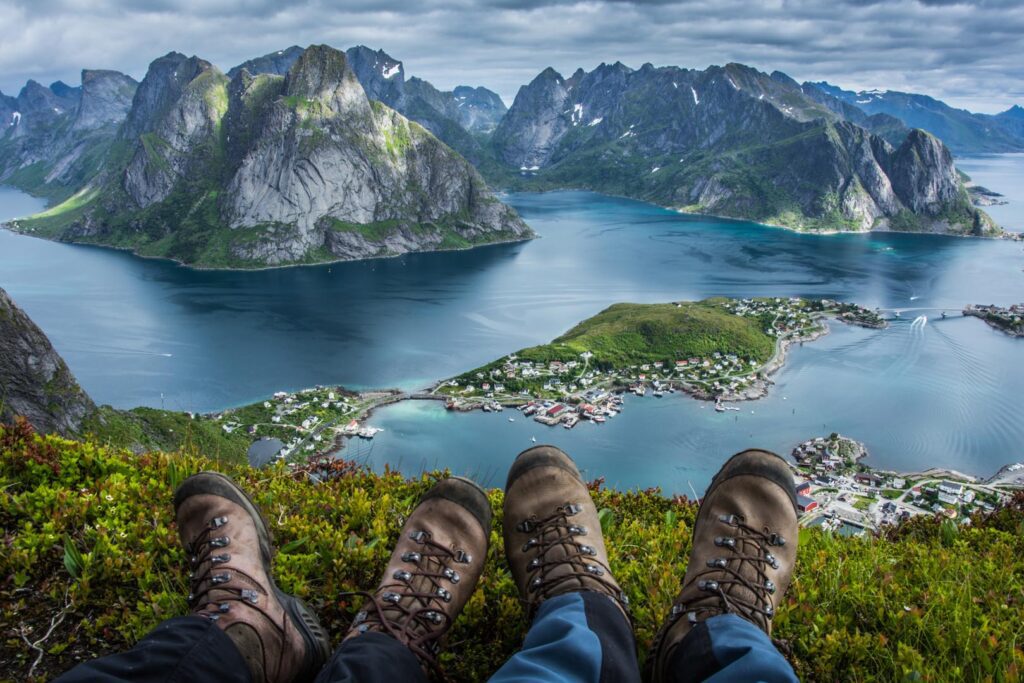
511,419
659,393
533,439
369,432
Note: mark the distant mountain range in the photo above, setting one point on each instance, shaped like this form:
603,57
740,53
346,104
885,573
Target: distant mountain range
304,155
963,131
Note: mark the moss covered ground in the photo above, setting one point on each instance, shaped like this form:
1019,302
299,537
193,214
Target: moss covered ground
89,543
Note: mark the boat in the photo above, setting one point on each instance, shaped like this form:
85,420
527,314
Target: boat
599,419
511,419
487,408
719,407
369,432
658,393
533,439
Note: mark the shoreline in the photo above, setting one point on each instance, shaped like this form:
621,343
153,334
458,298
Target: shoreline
6,225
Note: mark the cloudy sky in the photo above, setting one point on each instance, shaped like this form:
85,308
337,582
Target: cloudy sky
969,53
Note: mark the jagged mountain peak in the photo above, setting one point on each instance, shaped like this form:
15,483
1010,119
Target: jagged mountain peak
164,82
277,62
319,73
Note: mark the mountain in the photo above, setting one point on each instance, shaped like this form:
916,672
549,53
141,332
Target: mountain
964,132
267,170
34,380
56,138
1012,120
730,141
454,117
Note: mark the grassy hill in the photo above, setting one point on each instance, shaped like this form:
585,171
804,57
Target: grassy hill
89,544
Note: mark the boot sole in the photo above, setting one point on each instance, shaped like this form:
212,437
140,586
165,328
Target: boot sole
317,643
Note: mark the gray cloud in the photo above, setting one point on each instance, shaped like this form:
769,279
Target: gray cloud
969,53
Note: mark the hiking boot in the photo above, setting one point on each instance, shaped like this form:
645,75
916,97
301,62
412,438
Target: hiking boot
433,570
229,550
553,537
744,550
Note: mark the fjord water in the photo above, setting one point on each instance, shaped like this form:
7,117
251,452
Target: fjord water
149,332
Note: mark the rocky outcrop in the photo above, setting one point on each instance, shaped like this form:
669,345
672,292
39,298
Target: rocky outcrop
480,110
276,63
34,380
271,170
731,141
106,99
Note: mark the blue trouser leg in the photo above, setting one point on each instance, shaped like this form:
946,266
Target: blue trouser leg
575,638
728,648
180,650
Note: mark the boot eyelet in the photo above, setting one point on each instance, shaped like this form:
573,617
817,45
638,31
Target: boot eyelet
462,557
224,607
219,542
360,618
412,557
692,618
218,522
529,544
770,587
452,575
577,530
363,628
534,563
525,526
718,563
402,575
572,509
391,597
707,585
776,540
220,578
191,597
725,542
250,596
595,570
731,520
587,550
220,559
769,612
433,617
536,583
444,594
418,536
770,559
676,610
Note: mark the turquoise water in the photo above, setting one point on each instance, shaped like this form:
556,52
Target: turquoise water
145,332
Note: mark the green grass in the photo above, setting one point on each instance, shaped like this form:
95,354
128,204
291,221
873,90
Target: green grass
91,527
631,334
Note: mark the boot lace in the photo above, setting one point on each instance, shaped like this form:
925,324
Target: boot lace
412,607
216,574
746,547
558,531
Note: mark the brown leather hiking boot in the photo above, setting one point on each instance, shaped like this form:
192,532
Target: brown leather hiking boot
229,550
433,570
744,550
553,537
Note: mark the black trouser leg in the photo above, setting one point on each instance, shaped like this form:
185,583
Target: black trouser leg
372,658
180,650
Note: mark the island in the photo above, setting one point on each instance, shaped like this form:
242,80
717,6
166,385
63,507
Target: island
716,350
1009,320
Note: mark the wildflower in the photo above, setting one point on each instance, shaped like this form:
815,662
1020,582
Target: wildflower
109,498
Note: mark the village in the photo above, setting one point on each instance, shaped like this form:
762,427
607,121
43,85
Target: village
1009,320
839,493
298,425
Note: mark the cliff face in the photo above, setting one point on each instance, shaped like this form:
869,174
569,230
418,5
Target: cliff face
731,141
270,170
34,380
